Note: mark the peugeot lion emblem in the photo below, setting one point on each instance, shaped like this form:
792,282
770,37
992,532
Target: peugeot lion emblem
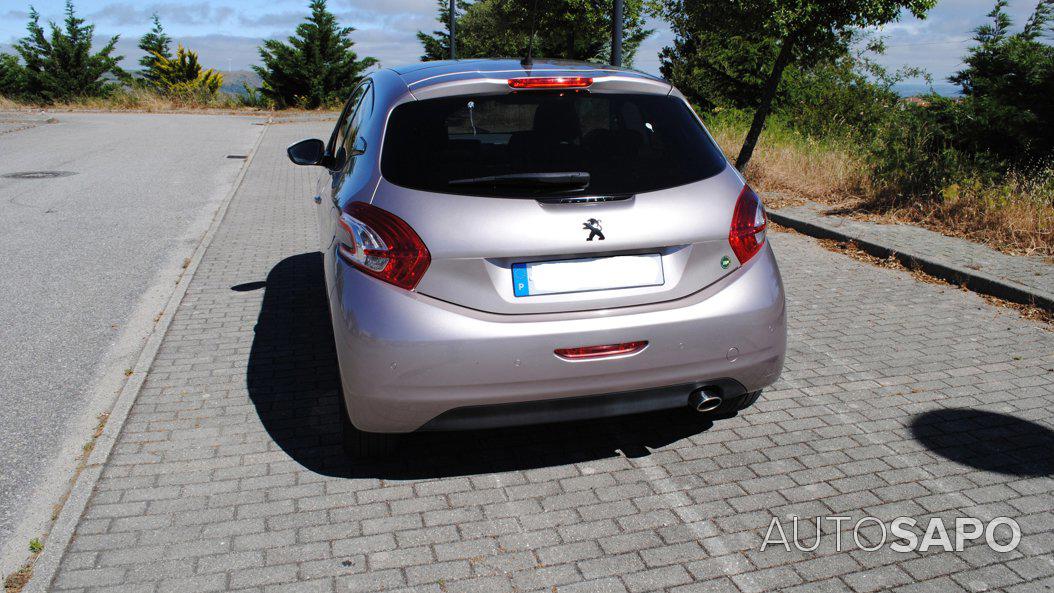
595,230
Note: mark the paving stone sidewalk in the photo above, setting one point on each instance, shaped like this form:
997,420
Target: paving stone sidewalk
899,399
1032,273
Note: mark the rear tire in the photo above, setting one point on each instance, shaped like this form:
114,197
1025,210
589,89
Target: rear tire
360,445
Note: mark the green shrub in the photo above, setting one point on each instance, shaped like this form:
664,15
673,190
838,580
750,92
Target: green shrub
183,76
845,99
12,77
912,154
253,97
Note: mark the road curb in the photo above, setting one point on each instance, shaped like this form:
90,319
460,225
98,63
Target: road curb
58,539
975,280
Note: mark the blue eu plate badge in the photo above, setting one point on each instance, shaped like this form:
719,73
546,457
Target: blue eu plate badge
519,280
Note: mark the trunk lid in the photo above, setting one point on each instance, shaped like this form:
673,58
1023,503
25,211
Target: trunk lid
474,242
593,176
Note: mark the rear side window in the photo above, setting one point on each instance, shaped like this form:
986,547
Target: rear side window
627,143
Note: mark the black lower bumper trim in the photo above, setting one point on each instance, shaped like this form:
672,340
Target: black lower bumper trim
578,407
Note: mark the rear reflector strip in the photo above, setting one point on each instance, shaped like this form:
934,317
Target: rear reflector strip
587,352
551,82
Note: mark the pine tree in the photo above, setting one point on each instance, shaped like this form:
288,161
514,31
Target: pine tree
316,67
64,67
1007,82
156,44
437,45
12,76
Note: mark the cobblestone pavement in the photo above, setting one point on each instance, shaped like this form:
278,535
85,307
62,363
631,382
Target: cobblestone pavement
1030,272
898,398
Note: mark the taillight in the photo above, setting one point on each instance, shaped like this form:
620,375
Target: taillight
748,225
382,245
551,82
587,352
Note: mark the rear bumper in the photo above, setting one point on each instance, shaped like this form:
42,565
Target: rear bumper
407,359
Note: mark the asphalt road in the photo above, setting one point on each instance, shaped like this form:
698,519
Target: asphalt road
87,260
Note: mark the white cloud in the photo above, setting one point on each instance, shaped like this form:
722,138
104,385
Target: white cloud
938,42
170,13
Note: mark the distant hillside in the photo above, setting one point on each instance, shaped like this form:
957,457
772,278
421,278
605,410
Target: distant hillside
233,81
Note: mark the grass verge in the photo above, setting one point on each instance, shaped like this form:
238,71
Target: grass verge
1015,215
789,163
148,101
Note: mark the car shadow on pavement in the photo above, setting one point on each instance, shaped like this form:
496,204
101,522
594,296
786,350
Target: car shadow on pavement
293,383
987,441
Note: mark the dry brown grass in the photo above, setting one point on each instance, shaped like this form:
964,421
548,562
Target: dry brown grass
17,580
9,105
1016,216
146,101
799,168
150,102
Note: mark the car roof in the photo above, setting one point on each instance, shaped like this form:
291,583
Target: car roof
423,73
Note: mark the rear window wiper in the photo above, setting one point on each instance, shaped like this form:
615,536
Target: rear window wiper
565,179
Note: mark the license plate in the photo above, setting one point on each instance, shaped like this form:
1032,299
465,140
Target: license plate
581,275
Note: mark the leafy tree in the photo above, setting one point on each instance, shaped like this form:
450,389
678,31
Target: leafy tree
157,45
316,67
568,29
183,74
63,66
729,73
847,97
843,95
12,76
784,33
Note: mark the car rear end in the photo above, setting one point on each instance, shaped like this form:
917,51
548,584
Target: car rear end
551,244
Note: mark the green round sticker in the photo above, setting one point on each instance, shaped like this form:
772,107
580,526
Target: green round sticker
725,262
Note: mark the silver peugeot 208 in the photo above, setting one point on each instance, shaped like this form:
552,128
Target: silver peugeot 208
513,244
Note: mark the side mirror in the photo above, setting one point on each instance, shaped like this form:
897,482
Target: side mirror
307,152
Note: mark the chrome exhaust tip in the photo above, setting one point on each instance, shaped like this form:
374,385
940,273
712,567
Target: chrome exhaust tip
702,401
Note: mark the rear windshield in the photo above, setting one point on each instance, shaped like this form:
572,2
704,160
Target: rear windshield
627,143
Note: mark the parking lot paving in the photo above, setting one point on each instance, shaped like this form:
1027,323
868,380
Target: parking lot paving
899,398
1022,278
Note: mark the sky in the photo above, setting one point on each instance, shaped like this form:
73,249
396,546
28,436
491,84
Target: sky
227,32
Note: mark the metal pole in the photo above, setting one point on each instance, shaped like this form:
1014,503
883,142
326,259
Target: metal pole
453,26
616,34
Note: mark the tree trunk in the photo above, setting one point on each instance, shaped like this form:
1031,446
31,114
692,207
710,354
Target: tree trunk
765,107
